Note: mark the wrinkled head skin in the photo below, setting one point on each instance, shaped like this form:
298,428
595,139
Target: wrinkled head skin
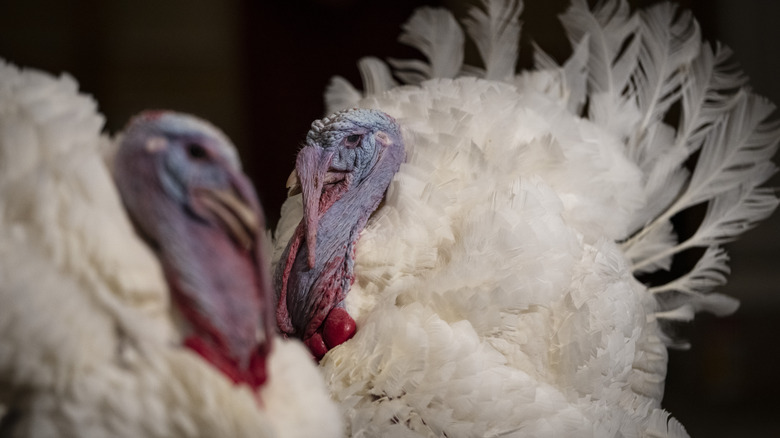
180,181
343,172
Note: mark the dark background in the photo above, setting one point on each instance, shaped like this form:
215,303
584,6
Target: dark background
257,69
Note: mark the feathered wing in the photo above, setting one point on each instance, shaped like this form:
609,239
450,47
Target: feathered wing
88,340
628,73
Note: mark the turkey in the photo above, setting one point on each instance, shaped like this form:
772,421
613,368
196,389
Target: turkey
493,288
106,334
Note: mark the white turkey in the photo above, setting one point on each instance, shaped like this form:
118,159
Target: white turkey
464,252
105,334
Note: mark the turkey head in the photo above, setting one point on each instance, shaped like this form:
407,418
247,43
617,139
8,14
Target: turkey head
343,172
181,183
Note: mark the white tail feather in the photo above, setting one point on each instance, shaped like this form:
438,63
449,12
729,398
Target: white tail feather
436,34
575,71
376,75
710,271
661,240
706,97
735,152
612,42
669,42
496,32
340,95
662,425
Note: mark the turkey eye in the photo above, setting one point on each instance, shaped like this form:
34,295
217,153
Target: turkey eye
352,140
196,151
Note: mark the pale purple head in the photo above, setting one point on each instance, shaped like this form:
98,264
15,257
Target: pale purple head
343,171
182,186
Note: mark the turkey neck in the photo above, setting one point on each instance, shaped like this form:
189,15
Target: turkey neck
215,285
308,294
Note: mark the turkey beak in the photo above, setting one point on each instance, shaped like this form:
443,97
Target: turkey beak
237,218
312,166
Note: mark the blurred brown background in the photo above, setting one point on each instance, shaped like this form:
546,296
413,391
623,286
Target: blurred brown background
257,69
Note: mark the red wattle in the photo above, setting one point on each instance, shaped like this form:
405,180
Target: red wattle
257,372
254,376
338,327
316,346
208,352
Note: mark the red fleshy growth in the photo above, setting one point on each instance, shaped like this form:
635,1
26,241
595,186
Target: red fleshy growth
316,346
214,357
256,373
283,319
338,328
254,376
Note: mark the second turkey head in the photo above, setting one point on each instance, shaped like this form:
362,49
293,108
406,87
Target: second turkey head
180,181
343,172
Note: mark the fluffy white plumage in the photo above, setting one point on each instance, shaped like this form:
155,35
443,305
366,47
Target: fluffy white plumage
87,344
495,290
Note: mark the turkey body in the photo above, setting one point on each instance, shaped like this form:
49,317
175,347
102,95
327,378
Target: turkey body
91,345
498,289
495,289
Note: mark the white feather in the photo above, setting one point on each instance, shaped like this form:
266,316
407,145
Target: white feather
705,98
496,32
735,151
709,272
656,247
669,42
575,72
612,35
340,95
376,75
437,35
734,160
